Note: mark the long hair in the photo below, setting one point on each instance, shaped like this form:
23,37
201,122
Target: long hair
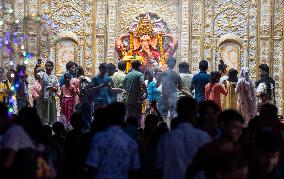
233,76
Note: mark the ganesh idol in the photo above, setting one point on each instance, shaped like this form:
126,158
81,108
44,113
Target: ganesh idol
149,39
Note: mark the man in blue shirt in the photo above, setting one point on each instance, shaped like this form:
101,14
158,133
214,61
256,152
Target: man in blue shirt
101,84
199,81
70,69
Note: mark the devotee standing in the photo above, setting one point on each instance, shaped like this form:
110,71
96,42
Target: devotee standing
67,99
186,79
222,69
230,101
37,90
135,87
85,106
101,85
170,81
118,79
246,95
265,87
200,80
50,90
4,87
76,82
22,90
214,89
70,69
177,148
113,153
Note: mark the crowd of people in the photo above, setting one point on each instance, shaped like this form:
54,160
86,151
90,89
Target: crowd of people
146,123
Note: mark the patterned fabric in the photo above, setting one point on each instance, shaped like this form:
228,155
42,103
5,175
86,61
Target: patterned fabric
36,90
186,80
113,153
199,81
177,149
272,82
118,79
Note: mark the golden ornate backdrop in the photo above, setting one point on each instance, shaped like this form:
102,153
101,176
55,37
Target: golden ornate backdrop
85,31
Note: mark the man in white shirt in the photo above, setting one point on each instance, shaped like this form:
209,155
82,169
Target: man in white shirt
177,148
118,79
113,154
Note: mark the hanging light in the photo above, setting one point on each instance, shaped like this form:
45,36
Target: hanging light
10,11
12,88
10,110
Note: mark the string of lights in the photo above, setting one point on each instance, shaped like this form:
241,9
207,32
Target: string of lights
13,41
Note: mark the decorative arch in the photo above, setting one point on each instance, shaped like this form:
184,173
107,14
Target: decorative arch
233,38
66,35
66,46
230,47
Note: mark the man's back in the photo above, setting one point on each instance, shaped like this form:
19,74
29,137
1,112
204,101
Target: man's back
199,82
133,86
102,95
113,153
177,149
170,82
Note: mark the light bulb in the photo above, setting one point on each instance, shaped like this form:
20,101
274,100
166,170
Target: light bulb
1,22
17,21
12,75
22,47
26,62
10,11
12,63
